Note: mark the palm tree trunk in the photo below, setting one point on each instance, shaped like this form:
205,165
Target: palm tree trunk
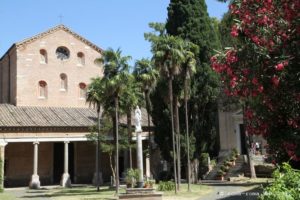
187,136
148,118
117,144
170,82
177,130
129,137
97,150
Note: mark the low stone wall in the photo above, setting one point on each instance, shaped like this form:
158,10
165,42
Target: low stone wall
141,193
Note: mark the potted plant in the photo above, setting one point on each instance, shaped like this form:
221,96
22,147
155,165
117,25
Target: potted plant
235,151
220,175
149,184
132,176
232,160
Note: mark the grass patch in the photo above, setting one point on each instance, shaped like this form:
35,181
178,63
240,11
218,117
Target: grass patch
7,196
83,193
106,193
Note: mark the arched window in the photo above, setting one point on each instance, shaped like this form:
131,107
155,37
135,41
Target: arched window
81,59
42,90
62,53
44,57
63,82
82,90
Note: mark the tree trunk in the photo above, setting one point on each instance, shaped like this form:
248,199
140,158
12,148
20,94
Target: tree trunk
177,130
112,168
249,152
250,157
187,136
129,137
97,150
117,144
170,82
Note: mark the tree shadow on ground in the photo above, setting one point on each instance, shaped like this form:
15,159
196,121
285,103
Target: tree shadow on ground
71,192
252,194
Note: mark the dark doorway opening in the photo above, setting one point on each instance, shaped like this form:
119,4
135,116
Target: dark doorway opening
243,139
58,161
121,166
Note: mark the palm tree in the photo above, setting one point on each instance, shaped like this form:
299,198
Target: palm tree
147,76
168,57
95,98
116,70
189,68
128,101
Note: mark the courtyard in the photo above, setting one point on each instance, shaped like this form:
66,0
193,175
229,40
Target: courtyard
226,191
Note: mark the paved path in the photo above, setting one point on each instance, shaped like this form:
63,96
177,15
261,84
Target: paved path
233,192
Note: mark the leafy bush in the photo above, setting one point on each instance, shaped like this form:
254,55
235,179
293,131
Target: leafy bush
286,185
213,163
132,175
235,151
221,173
166,186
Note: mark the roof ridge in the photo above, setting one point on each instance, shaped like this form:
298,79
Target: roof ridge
54,29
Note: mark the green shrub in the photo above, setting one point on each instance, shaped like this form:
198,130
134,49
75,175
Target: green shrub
286,185
213,163
223,168
221,173
132,175
235,151
166,186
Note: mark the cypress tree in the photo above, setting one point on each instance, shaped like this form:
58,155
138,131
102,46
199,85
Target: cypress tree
189,19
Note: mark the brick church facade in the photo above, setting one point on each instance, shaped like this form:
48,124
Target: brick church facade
44,117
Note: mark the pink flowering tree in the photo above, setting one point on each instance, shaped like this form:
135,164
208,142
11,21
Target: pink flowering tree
263,71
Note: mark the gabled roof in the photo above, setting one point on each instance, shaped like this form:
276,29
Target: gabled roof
54,29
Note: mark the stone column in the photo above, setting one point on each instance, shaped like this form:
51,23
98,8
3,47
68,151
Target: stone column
148,173
2,157
35,179
65,179
139,150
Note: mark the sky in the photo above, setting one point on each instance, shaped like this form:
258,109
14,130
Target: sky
106,23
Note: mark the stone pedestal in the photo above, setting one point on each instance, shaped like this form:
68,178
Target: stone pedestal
35,182
141,194
139,150
65,180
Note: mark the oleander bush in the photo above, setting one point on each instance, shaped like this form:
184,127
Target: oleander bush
286,185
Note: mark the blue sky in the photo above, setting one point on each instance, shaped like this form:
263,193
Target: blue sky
106,23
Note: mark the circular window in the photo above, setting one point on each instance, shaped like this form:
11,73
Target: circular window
62,53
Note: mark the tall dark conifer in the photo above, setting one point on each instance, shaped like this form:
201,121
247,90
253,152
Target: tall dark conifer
189,19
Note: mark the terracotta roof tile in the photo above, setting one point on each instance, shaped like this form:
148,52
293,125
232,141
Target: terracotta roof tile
29,116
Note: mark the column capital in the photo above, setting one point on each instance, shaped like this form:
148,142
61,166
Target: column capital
3,142
66,142
36,142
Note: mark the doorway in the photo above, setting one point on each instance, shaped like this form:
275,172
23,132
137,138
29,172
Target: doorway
243,139
58,161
